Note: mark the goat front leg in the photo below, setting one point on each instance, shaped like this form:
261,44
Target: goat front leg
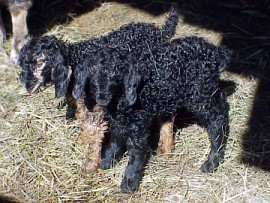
93,128
138,152
2,32
112,153
19,28
92,137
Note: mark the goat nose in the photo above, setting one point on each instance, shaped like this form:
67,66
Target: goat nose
103,99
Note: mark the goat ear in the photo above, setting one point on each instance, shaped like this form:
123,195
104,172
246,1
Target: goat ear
61,75
131,82
80,76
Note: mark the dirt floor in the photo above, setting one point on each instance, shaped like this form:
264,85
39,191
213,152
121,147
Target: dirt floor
40,160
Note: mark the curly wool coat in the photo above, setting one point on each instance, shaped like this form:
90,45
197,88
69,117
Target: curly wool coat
154,83
48,59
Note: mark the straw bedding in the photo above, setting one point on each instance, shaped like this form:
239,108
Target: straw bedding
40,157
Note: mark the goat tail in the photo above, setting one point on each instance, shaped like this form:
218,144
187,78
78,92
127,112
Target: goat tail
171,22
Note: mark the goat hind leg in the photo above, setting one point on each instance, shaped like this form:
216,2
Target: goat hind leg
215,118
165,144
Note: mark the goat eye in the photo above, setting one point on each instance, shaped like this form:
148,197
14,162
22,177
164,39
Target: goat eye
40,61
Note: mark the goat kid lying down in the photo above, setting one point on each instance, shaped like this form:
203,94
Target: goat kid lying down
155,83
47,59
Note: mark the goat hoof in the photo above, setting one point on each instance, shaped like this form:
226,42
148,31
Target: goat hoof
14,57
209,166
105,164
89,167
129,186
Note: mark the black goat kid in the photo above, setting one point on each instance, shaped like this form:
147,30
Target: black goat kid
155,83
47,59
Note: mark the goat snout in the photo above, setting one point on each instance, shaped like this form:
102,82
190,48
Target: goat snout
103,99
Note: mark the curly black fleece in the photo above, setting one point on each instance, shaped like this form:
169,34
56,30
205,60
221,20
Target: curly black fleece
155,83
59,56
